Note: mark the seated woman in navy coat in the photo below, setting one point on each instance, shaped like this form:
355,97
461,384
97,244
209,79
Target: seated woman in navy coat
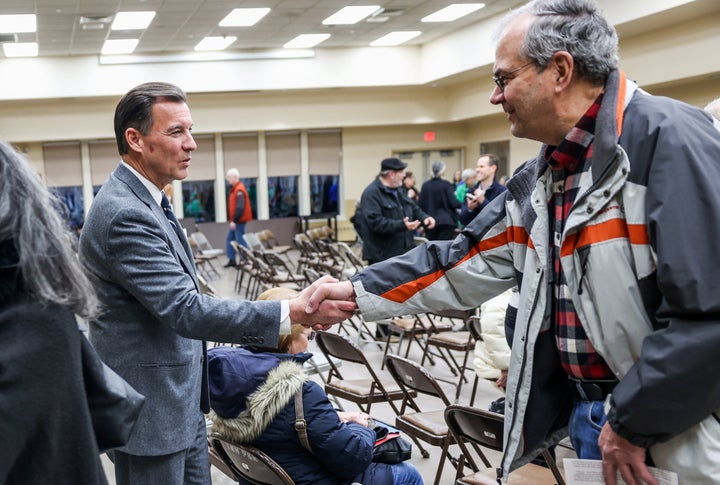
252,394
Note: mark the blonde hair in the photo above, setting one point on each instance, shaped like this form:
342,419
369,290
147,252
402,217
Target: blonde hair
280,293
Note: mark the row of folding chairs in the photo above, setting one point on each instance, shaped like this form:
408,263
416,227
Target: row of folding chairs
473,430
443,426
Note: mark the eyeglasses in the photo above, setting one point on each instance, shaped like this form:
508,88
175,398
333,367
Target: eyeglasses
311,336
502,81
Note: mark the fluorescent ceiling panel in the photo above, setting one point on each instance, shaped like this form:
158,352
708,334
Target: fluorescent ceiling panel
215,43
395,38
20,49
453,12
244,17
132,20
306,41
351,15
119,46
18,23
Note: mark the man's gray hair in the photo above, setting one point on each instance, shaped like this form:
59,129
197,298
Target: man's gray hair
35,239
574,26
467,173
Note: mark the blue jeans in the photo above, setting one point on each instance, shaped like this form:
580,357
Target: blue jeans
235,235
586,421
405,473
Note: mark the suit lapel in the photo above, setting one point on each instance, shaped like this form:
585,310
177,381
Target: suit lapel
178,240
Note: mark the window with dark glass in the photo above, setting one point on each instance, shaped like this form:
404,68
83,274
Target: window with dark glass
199,200
324,194
283,196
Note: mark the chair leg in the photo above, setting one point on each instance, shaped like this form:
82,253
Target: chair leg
441,465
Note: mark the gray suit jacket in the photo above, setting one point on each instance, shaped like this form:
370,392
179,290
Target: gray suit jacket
155,320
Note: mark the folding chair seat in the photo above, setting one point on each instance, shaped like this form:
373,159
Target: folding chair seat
249,464
365,391
484,429
451,341
425,425
412,329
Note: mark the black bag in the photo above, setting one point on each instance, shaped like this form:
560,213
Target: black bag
392,450
114,404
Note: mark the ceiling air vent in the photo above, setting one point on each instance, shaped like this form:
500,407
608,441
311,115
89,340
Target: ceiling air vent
95,22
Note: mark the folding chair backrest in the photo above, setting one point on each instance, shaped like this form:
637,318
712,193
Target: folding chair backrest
475,327
413,376
332,344
251,464
252,240
201,240
476,425
485,428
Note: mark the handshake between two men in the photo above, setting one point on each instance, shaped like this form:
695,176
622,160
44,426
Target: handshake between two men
324,303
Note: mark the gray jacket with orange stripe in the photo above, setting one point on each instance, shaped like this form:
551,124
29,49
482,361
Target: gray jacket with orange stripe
639,255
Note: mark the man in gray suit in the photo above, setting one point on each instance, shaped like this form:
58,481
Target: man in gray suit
155,321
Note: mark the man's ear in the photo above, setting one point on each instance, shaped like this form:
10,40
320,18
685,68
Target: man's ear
134,139
563,64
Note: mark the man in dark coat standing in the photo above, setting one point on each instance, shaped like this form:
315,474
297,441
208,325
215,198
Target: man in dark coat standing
387,219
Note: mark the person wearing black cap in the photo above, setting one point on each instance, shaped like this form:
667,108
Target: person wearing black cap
388,218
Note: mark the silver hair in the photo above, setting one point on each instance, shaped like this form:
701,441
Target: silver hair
438,169
574,26
30,221
467,173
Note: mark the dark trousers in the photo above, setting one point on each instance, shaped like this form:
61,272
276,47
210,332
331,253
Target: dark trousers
186,467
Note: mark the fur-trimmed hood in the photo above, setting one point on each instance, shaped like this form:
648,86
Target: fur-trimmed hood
248,390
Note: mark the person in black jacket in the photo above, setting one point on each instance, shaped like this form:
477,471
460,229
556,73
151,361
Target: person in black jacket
45,418
437,198
389,217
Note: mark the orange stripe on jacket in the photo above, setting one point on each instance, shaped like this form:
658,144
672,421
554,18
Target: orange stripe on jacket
605,231
406,291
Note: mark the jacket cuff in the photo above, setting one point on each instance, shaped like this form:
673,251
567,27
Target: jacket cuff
643,441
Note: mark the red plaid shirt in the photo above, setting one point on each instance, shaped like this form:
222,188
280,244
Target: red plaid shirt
570,162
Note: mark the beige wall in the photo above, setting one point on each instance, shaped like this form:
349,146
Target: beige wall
675,59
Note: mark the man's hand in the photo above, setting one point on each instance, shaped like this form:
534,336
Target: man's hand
429,222
618,454
328,308
411,225
330,290
501,382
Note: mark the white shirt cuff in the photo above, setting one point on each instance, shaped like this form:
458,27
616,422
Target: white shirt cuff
284,317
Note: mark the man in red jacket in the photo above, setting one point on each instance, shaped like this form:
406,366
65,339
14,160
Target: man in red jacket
239,213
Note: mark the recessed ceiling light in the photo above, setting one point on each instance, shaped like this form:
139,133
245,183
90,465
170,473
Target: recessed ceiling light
351,15
20,49
244,17
306,41
132,20
18,23
215,43
395,38
453,12
119,46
